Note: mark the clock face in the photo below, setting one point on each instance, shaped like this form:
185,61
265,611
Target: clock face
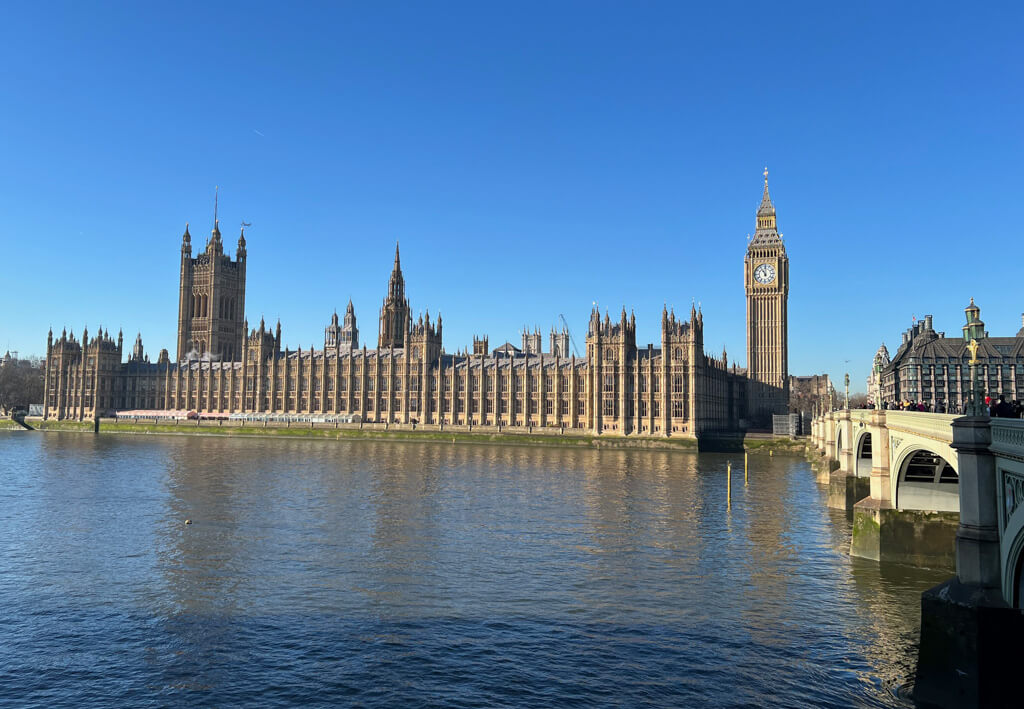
764,274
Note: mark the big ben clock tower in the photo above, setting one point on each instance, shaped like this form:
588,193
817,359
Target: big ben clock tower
766,279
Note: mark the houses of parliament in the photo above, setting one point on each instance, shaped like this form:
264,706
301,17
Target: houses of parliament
224,367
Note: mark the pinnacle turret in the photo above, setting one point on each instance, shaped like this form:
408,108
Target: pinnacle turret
766,233
766,208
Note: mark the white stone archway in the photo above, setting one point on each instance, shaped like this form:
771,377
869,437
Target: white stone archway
923,479
862,453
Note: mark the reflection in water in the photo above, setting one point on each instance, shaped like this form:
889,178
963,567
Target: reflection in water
398,574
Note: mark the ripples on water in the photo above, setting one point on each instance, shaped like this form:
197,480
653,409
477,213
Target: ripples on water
394,574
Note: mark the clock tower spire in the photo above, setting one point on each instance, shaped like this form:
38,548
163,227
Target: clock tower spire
766,280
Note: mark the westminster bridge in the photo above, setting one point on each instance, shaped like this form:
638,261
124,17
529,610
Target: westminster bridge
930,489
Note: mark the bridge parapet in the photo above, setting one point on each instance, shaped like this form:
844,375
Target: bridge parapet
860,415
937,427
1007,449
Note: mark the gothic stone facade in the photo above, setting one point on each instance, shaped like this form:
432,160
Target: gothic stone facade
672,388
211,299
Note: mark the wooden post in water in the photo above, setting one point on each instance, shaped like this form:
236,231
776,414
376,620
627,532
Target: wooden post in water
746,455
728,484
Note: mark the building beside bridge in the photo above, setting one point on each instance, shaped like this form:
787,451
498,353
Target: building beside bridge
222,366
931,368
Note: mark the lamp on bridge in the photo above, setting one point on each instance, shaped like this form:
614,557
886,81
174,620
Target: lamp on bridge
975,407
847,382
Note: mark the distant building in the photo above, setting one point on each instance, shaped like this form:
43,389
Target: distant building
669,388
933,369
879,364
810,394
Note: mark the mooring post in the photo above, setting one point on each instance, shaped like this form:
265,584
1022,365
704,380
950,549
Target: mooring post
728,484
745,457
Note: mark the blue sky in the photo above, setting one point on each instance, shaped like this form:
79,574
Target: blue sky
531,157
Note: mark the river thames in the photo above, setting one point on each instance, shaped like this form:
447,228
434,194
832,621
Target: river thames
406,574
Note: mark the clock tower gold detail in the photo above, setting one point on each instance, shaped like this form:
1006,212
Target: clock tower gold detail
766,281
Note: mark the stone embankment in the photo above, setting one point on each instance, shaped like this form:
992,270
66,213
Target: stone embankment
426,433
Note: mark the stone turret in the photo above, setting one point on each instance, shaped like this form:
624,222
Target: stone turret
211,298
342,338
425,338
532,343
480,345
559,342
138,354
394,311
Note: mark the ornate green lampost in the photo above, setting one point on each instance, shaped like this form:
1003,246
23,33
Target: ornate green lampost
847,383
975,405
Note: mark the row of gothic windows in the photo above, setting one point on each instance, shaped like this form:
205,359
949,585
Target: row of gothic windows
226,307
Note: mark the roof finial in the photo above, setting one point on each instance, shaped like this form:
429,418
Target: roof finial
215,234
765,175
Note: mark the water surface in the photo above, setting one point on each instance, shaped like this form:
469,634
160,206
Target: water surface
405,574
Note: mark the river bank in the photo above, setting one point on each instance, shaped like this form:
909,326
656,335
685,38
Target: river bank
516,436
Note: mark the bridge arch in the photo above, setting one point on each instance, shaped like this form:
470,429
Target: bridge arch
1011,515
1013,586
838,438
922,479
862,453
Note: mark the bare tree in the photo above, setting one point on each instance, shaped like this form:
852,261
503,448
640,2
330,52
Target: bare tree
858,401
21,384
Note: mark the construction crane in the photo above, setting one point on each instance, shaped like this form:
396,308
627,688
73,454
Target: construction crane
571,339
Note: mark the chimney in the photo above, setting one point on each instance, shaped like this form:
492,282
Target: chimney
927,322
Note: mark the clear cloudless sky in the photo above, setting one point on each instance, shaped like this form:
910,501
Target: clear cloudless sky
531,157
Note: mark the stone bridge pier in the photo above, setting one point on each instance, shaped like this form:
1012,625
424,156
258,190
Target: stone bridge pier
943,489
895,473
972,625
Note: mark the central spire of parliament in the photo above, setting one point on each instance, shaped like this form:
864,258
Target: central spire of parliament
394,313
